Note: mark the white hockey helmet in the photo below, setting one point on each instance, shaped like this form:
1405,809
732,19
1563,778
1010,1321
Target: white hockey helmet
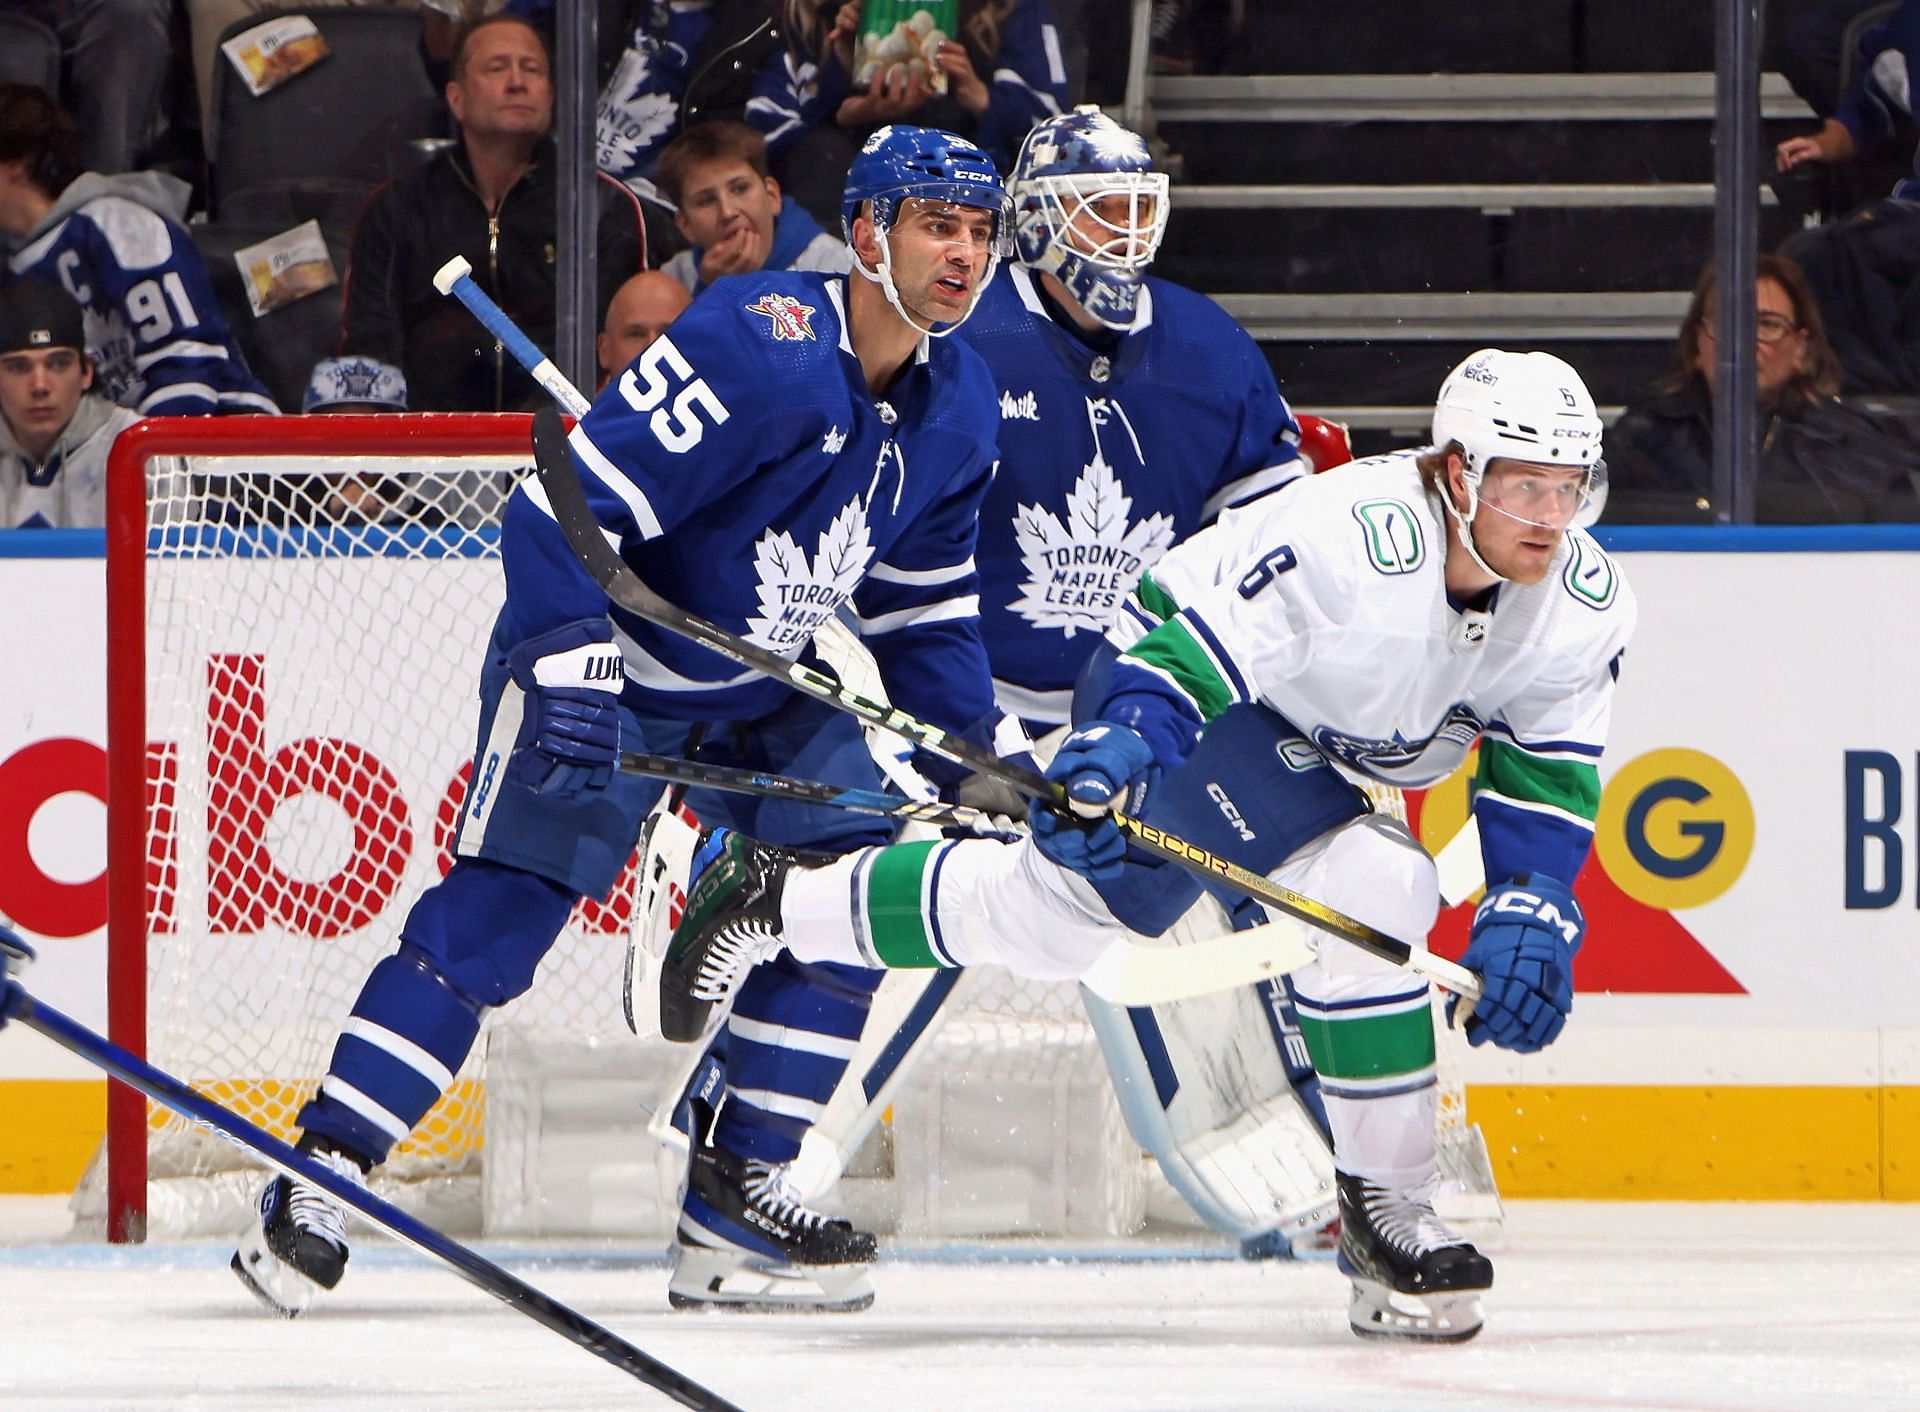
1529,407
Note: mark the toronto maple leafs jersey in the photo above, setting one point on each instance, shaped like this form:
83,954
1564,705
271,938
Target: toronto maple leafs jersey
1328,604
1106,461
752,479
154,330
639,109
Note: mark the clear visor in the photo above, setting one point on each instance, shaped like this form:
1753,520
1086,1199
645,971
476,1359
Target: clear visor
1545,497
1114,219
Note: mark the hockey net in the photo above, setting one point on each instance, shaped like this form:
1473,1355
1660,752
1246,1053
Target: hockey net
298,608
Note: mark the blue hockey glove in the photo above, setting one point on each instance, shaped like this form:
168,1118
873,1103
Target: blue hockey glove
569,739
1104,767
1523,943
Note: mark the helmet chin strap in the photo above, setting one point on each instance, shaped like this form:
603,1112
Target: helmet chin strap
884,278
1464,523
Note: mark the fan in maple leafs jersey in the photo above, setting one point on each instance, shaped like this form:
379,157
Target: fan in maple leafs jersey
1131,410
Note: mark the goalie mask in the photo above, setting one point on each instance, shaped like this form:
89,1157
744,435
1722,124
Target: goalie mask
900,163
1089,210
1521,407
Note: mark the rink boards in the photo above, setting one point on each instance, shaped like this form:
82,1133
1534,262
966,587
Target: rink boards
1744,1026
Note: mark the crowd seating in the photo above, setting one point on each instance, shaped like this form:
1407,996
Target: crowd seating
29,52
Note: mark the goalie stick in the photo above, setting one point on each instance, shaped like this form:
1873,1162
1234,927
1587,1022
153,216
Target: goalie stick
567,502
16,1004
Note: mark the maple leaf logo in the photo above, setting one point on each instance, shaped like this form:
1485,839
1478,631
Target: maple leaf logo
628,121
1080,571
796,594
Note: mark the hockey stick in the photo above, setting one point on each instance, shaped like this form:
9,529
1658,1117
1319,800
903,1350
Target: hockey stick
603,563
456,278
164,1089
766,786
1126,972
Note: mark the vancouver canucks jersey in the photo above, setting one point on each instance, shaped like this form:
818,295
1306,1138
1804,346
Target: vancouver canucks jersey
1328,604
752,479
1107,460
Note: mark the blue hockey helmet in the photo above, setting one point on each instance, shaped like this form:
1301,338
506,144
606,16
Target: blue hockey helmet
1089,209
901,162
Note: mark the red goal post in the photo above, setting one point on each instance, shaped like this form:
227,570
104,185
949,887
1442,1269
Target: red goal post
232,551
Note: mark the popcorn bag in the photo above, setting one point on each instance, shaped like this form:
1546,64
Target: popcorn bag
898,35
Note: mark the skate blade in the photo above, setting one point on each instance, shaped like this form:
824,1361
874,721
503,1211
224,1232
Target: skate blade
277,1285
1446,1317
713,1279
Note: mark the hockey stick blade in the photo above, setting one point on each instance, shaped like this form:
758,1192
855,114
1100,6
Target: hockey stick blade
16,1004
568,501
1130,974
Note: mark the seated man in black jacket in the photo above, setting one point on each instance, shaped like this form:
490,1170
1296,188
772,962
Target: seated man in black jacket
489,197
1821,460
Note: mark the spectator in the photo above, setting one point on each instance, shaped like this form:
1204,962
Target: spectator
155,334
1821,461
640,312
1877,105
1003,73
489,197
1807,39
355,385
1864,271
732,211
56,433
115,55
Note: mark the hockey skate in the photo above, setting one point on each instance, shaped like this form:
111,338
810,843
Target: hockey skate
299,1243
731,923
747,1241
1412,1277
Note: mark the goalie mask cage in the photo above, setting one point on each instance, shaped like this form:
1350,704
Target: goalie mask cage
298,608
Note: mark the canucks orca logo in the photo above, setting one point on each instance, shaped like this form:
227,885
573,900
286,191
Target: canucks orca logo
1448,743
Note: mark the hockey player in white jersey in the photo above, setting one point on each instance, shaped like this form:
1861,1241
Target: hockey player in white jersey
1132,411
1386,618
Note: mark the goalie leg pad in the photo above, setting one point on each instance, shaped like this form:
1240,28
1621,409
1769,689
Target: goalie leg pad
1206,1088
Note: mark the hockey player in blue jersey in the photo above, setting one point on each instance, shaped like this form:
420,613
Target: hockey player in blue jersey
155,333
1131,410
796,442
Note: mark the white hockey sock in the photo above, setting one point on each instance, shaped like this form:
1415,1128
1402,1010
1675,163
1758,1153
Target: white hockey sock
1386,1138
816,916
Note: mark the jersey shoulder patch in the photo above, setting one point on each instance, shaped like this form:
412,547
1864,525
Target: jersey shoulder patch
1590,577
138,238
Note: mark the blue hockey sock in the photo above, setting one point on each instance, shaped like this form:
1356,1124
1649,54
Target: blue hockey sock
409,1033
